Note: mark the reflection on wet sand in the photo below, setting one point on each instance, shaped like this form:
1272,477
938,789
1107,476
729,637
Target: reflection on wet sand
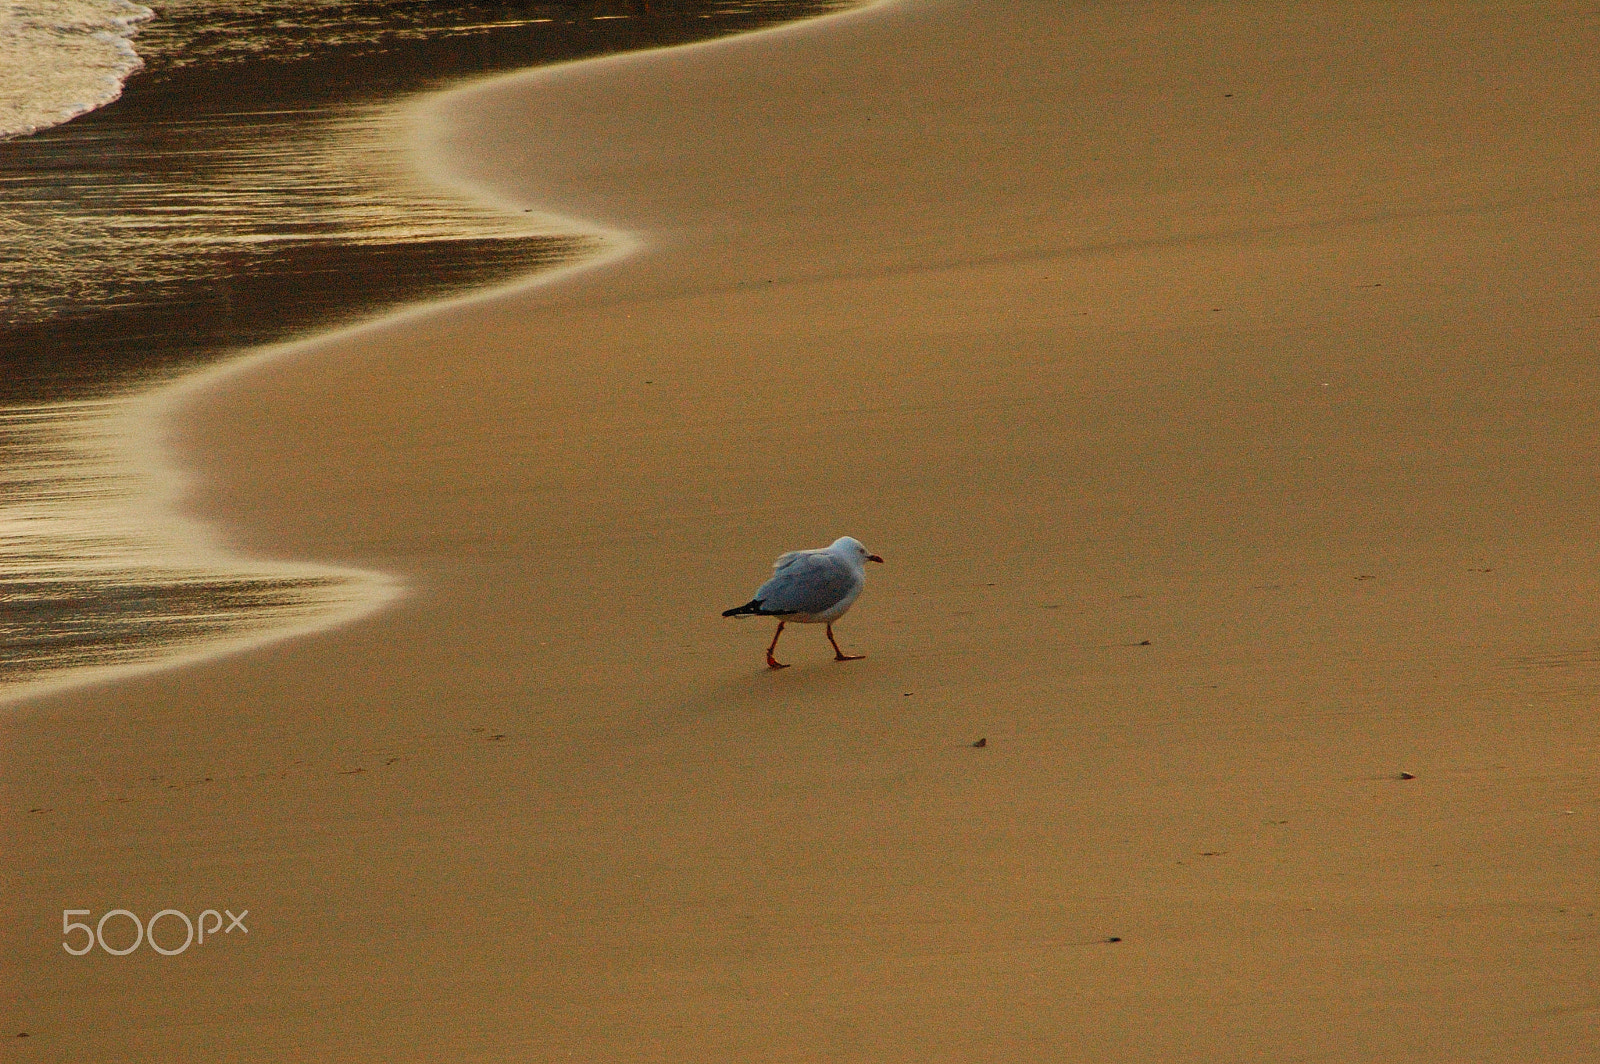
96,572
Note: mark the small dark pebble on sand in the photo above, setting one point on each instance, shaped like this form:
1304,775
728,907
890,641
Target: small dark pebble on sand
1114,938
1144,642
1405,776
981,743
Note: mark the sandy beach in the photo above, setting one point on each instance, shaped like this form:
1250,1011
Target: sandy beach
1219,386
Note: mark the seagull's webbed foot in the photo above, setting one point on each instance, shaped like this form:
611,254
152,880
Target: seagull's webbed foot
774,663
839,655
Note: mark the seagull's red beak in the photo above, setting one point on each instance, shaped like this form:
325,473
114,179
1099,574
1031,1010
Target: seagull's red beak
874,558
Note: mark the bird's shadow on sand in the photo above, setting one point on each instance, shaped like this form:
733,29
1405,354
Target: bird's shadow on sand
756,692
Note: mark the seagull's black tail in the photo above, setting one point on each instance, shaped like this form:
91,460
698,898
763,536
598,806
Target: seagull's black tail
751,607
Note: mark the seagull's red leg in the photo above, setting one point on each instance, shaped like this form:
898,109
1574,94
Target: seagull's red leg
839,655
772,662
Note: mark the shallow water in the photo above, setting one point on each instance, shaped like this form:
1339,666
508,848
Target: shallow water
94,572
254,159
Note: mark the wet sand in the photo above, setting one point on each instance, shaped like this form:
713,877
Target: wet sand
1218,386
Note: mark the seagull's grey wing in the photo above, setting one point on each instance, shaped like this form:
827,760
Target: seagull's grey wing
806,582
785,560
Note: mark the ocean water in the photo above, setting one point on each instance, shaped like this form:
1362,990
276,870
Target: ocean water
217,175
252,153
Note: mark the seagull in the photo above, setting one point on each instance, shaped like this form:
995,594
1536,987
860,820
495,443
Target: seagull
811,587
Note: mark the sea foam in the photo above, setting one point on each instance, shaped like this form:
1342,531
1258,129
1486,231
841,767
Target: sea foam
62,58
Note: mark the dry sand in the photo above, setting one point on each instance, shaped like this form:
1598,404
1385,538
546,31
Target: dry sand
1267,337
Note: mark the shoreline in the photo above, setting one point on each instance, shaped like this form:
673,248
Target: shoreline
304,181
175,552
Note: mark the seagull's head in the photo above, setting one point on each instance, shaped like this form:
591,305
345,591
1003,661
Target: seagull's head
852,549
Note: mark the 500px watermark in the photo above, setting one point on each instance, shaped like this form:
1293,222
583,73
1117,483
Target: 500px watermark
142,932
